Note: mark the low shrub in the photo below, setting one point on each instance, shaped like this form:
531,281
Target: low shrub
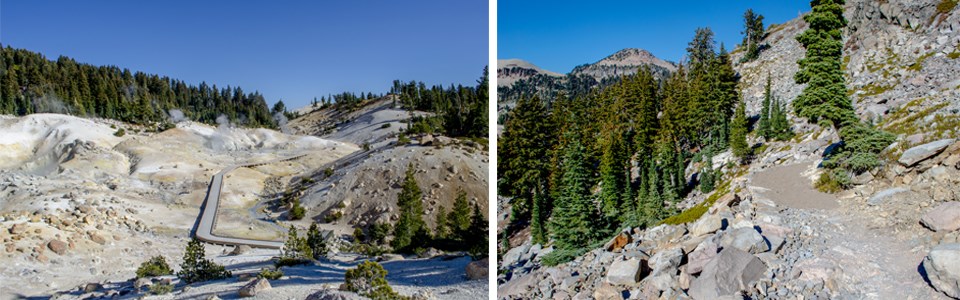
369,279
270,274
196,268
156,266
832,181
120,132
161,289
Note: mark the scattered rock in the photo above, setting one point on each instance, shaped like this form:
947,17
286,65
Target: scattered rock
328,294
241,249
254,287
881,197
706,225
617,243
390,257
57,246
704,253
91,287
733,270
944,218
919,153
18,228
607,291
746,239
97,238
478,269
942,265
624,272
665,261
423,295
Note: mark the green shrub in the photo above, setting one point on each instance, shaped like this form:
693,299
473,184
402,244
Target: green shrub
156,266
316,242
379,232
270,274
369,279
331,217
402,139
832,181
358,235
290,261
196,268
561,256
366,146
328,172
120,132
297,211
945,6
161,289
385,125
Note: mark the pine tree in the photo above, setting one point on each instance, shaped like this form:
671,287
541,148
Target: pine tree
411,212
738,133
195,266
459,217
523,146
441,229
752,34
296,247
707,174
538,218
763,126
575,222
779,126
478,233
316,242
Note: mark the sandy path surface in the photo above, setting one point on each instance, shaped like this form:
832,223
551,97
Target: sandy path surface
869,262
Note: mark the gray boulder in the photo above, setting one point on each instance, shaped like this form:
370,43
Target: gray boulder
254,287
706,225
733,270
478,269
944,218
942,265
746,239
327,294
919,153
513,255
667,260
624,272
704,253
882,196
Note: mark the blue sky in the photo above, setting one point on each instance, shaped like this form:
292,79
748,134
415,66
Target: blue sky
293,50
559,35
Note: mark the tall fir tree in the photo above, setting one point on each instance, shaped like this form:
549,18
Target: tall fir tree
763,126
524,145
575,221
738,133
411,212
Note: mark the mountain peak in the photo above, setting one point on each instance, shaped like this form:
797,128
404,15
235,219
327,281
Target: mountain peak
634,57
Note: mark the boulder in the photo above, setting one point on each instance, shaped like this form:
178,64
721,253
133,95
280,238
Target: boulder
666,261
478,269
920,153
18,228
746,239
241,249
733,270
607,291
254,287
97,238
391,257
619,241
57,246
513,255
329,294
944,218
623,272
704,253
882,196
942,265
706,225
427,140
91,287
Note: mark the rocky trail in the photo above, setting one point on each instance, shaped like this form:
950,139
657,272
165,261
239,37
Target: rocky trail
853,256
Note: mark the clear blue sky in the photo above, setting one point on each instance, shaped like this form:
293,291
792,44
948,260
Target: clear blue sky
293,50
559,35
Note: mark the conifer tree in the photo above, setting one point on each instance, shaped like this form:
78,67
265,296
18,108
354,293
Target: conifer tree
477,231
763,126
574,223
459,217
195,266
538,218
411,212
752,34
738,133
441,229
521,152
316,242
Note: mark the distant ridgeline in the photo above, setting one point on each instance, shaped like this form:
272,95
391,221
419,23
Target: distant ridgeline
30,83
578,83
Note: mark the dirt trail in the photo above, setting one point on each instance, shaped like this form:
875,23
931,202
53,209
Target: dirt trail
864,262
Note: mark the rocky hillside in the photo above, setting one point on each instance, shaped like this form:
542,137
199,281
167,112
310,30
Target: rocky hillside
510,71
624,62
765,233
